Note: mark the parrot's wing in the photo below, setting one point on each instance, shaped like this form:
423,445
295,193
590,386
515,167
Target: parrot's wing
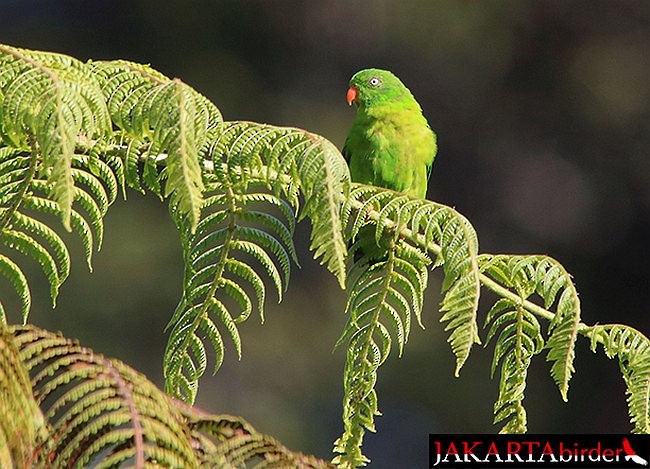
435,150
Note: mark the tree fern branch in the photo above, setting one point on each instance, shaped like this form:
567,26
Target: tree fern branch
159,132
419,239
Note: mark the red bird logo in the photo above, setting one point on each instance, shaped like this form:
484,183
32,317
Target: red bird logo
630,454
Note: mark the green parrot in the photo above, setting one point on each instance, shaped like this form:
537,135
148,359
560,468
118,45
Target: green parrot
390,144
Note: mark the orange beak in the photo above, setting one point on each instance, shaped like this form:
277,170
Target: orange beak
353,93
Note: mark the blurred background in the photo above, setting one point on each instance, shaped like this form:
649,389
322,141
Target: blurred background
543,119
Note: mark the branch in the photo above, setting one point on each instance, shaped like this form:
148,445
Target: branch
405,233
432,247
486,281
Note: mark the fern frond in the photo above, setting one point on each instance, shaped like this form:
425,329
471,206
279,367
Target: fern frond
518,339
290,161
632,349
101,413
458,250
258,171
157,116
22,426
382,299
237,232
98,412
46,101
51,106
391,288
12,272
24,202
227,441
184,180
444,232
549,280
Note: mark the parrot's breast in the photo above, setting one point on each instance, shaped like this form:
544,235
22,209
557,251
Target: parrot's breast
392,149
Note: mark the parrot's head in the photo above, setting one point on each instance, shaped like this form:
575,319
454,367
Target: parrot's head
372,86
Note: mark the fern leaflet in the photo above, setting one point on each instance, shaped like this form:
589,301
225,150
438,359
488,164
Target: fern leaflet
46,101
291,161
24,201
444,232
549,280
233,232
385,294
227,441
22,426
633,352
239,225
156,115
518,339
100,412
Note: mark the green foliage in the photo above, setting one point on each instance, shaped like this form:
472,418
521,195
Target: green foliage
234,228
386,293
25,203
88,410
381,302
633,352
226,441
519,339
448,236
22,425
165,134
520,336
154,115
48,100
290,162
98,408
73,135
246,232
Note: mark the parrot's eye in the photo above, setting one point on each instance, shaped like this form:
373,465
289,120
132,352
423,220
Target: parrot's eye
374,81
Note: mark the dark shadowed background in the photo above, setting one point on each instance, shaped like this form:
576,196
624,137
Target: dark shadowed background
543,118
